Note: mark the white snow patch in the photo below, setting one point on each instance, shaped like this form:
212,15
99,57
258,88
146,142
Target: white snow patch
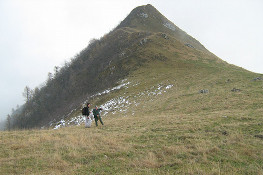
73,121
109,90
155,90
169,86
60,124
120,104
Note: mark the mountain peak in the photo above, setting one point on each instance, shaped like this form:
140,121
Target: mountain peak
143,17
146,8
148,18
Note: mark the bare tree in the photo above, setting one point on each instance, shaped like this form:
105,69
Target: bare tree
28,93
56,70
8,122
50,76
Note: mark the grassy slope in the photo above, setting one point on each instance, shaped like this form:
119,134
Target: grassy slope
177,132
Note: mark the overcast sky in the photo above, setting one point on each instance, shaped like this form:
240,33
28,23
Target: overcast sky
36,35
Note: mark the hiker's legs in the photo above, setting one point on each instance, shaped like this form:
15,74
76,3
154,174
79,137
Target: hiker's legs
96,121
100,120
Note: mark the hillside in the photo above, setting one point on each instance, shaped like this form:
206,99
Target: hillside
169,107
171,79
145,37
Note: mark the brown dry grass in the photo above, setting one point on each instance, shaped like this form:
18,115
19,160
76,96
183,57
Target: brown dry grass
167,144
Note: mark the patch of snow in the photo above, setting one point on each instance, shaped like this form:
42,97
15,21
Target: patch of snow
169,86
155,90
120,104
109,90
73,121
60,124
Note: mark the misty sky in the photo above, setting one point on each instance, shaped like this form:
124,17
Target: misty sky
36,35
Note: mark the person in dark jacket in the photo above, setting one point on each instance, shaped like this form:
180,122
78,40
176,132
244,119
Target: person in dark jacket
96,113
85,110
86,113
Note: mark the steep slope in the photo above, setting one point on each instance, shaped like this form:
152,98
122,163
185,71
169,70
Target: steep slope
177,80
148,18
97,67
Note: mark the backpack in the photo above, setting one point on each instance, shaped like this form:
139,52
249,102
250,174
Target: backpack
84,111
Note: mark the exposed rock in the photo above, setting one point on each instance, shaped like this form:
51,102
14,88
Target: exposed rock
225,133
143,41
257,78
165,36
170,26
203,91
143,15
189,45
259,136
236,90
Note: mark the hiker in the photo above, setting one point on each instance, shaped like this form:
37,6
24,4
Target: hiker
96,113
85,113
